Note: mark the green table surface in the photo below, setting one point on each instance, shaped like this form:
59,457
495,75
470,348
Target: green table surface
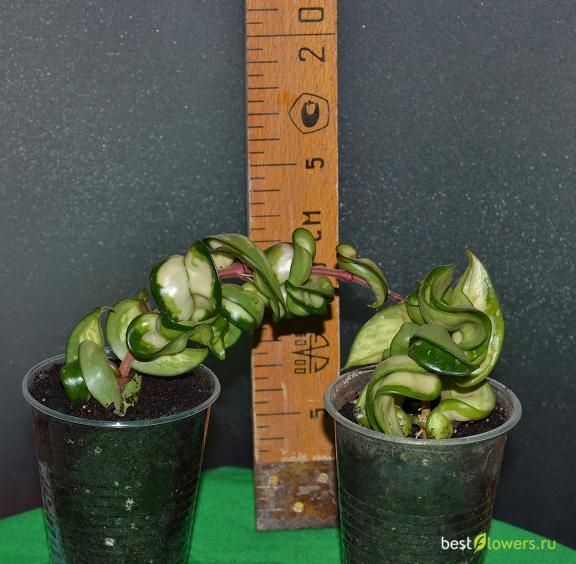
224,532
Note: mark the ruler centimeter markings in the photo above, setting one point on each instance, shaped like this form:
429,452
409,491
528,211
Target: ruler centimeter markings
292,146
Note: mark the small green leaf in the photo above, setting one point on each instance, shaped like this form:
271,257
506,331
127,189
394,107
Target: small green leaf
383,416
397,375
481,397
438,426
311,297
375,337
100,375
87,329
401,341
174,364
132,388
73,381
187,288
304,251
460,404
404,419
217,344
413,309
449,309
433,349
232,335
130,393
347,258
360,413
437,360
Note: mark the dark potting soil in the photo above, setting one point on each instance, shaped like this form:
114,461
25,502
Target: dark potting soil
158,397
461,428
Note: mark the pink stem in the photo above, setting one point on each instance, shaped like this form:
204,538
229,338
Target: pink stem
125,370
239,270
126,364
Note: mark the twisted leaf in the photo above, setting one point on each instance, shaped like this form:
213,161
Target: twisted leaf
476,284
413,309
401,341
146,341
280,258
347,258
187,289
304,247
247,252
460,404
243,308
117,324
397,375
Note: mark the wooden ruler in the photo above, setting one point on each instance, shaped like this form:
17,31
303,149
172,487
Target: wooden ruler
292,140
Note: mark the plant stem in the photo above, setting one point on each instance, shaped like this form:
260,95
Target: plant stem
124,370
349,277
237,270
240,270
126,364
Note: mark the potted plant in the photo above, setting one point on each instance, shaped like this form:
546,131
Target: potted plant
420,436
120,419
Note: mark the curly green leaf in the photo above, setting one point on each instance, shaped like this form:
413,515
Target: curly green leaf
146,341
460,404
242,307
117,324
402,376
476,284
347,258
247,252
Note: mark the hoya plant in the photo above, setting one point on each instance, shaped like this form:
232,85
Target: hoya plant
435,350
436,347
189,311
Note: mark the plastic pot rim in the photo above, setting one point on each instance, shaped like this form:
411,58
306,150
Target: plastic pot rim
501,430
119,424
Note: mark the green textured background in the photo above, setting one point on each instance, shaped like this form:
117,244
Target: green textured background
122,141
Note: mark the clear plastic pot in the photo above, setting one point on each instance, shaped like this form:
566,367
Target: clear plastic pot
408,500
120,491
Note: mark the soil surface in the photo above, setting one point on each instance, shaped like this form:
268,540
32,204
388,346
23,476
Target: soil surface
461,428
158,396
